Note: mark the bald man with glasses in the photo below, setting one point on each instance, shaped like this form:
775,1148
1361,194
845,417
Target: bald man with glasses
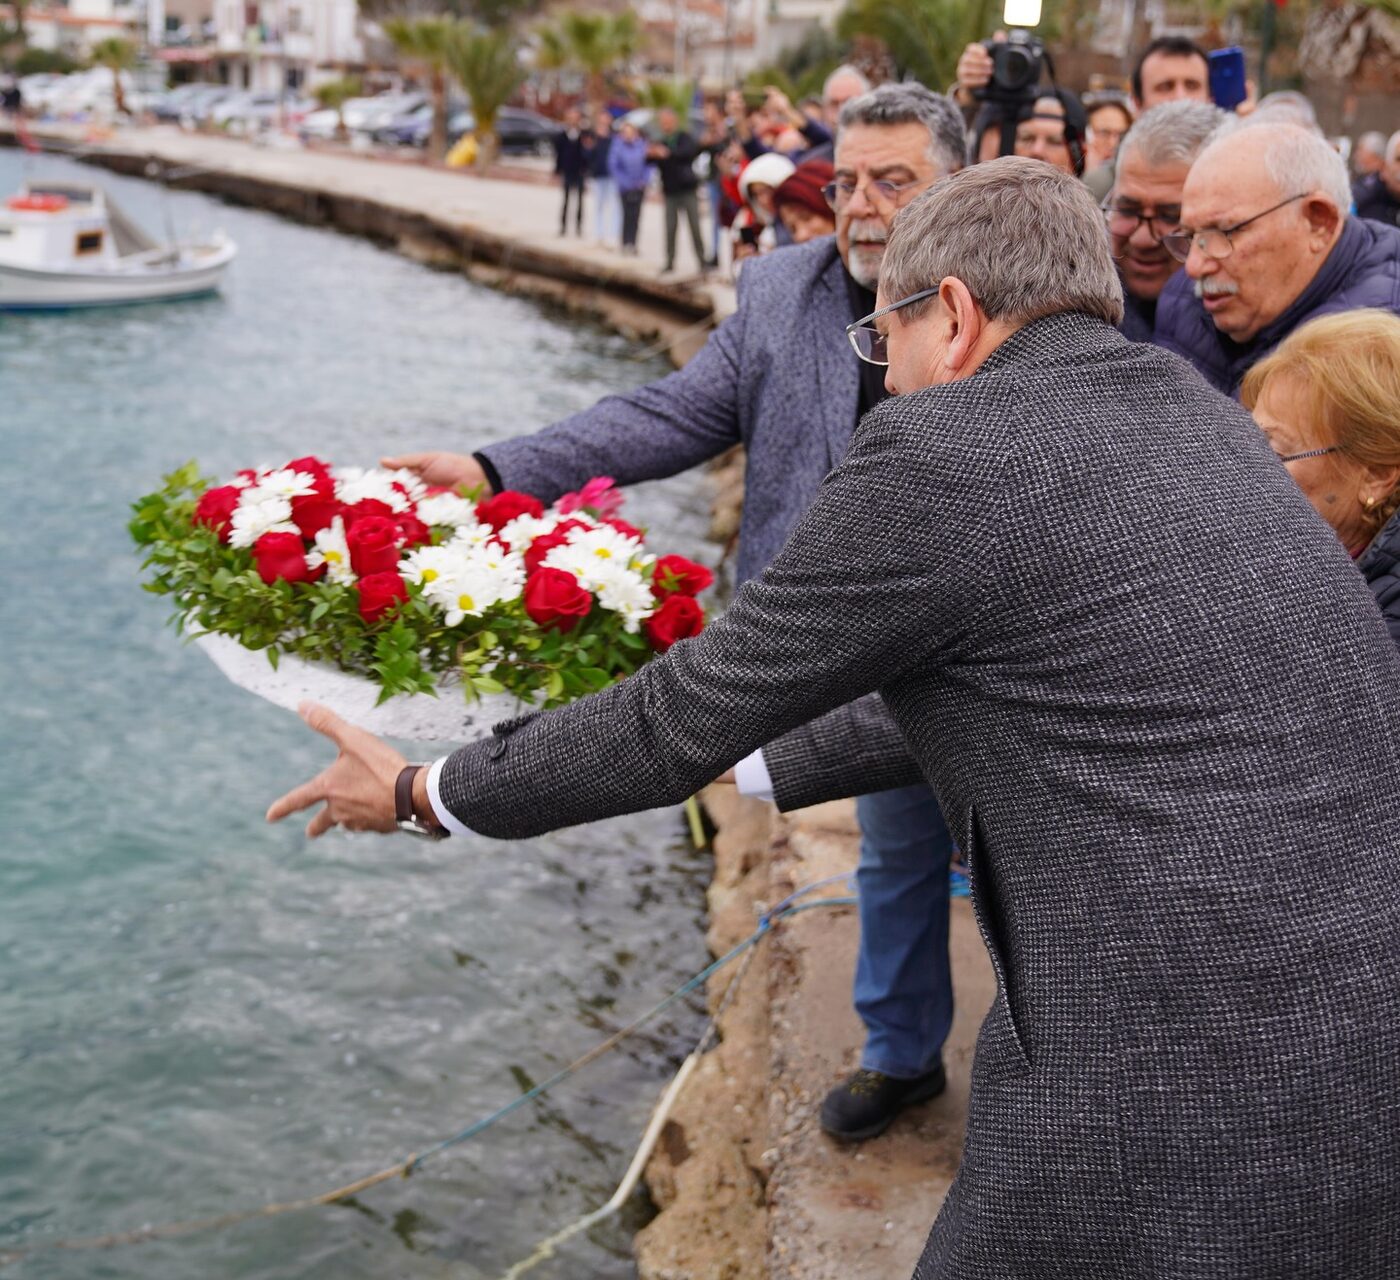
1267,242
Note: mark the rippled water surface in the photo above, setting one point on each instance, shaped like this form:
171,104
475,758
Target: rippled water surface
199,1012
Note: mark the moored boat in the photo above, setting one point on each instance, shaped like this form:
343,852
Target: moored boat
66,244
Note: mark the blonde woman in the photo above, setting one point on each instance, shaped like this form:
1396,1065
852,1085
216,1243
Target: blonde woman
1328,398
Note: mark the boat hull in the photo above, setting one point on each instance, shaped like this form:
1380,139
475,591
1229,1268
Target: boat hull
30,289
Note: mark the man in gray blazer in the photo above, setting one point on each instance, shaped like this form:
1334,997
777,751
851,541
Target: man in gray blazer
780,378
1055,556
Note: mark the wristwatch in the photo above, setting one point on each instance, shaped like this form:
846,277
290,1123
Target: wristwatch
409,822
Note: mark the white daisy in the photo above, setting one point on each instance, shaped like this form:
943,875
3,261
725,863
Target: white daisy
595,555
332,551
355,484
430,565
628,594
519,534
446,508
283,483
472,589
256,516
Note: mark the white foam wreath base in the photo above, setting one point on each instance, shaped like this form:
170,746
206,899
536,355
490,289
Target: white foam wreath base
417,717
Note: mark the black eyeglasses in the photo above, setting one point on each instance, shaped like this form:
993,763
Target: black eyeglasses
838,194
1214,242
867,341
1307,453
1123,223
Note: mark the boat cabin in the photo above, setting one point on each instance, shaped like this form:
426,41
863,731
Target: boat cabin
68,226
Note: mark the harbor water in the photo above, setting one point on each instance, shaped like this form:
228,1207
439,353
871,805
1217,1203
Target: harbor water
199,1012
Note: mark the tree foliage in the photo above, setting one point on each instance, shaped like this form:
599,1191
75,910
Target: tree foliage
486,63
424,40
599,45
117,55
924,37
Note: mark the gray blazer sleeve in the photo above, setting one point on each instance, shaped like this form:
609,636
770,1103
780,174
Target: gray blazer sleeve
851,751
658,430
867,589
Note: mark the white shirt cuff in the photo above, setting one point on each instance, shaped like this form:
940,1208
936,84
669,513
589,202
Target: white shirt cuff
751,777
440,811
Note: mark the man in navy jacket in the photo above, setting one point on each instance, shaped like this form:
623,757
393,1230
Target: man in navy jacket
1268,244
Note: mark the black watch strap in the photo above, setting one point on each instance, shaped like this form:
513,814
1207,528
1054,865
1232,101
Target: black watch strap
403,793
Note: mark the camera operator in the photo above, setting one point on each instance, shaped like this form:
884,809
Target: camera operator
1050,127
1017,115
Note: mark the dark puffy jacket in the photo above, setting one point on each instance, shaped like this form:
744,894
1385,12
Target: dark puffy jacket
677,169
1380,565
1363,270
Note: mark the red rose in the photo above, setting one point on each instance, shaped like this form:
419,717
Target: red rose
677,576
554,598
504,507
318,471
365,508
216,507
545,543
374,545
678,618
311,512
412,531
380,592
282,555
625,529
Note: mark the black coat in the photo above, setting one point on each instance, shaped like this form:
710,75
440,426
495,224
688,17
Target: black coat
599,144
570,156
677,170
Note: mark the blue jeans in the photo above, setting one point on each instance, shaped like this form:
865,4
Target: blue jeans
903,987
607,210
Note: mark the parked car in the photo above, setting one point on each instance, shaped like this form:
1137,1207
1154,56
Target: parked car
522,131
251,112
183,101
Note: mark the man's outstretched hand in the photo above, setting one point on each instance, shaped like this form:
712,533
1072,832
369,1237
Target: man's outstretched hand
358,789
446,469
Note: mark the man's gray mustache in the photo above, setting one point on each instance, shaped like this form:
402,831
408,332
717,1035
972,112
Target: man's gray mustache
1214,288
868,233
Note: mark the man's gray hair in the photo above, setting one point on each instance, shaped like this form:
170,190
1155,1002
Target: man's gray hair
845,72
1288,106
1173,133
1374,141
1026,239
912,104
1297,160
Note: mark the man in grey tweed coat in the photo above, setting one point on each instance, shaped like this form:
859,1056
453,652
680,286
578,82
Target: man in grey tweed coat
1056,557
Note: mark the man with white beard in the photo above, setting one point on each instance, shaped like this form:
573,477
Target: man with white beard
781,378
1268,244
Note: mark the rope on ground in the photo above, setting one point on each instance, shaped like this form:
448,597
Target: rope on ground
404,1168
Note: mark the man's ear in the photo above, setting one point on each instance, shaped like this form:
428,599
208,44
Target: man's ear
1323,219
965,324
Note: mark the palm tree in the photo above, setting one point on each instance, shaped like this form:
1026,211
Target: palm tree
117,55
925,37
334,94
486,63
425,40
598,44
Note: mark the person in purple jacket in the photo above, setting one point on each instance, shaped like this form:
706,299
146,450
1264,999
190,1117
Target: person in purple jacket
1268,243
629,169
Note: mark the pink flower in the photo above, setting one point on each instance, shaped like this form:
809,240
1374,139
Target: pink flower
598,496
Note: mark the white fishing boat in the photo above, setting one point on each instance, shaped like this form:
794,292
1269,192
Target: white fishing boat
66,244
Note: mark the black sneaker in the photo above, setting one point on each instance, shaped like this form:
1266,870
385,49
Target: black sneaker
866,1104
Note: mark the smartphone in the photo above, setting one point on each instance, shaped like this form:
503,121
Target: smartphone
1227,86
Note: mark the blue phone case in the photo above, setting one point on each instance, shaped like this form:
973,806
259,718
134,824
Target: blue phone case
1227,86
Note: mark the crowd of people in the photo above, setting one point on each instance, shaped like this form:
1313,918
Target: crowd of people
739,154
1137,652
